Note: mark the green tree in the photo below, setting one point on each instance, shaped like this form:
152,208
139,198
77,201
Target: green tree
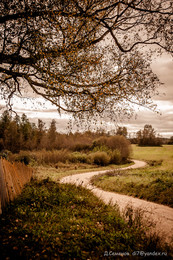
86,55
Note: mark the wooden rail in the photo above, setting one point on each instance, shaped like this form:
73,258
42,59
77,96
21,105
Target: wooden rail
13,177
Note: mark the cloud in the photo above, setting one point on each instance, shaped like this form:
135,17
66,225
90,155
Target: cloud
162,123
163,68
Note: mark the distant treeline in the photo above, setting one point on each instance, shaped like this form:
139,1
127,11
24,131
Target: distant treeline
42,145
18,133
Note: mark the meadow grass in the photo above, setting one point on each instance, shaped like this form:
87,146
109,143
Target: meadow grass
153,183
53,221
149,154
65,169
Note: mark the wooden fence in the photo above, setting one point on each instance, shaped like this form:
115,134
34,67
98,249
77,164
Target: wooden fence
13,177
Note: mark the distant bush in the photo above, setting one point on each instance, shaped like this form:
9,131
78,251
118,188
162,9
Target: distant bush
118,143
115,157
100,142
155,162
26,159
81,147
100,158
5,154
77,157
41,157
102,148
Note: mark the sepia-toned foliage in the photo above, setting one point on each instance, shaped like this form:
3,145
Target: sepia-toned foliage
83,56
148,137
23,141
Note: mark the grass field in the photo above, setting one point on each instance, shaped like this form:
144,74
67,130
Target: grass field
53,221
153,183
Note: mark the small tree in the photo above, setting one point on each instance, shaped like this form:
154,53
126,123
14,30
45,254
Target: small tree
52,135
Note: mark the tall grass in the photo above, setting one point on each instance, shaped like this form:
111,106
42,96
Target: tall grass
52,221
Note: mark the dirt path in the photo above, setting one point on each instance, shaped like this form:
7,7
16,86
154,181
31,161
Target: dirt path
161,215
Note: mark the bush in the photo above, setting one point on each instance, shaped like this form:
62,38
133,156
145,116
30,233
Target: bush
115,157
101,141
120,143
117,142
26,159
77,157
102,148
81,147
42,156
5,154
100,158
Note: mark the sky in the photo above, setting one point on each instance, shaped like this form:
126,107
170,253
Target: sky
35,108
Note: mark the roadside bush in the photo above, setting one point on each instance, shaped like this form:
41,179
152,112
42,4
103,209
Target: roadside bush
120,143
77,157
42,156
5,154
53,156
101,141
117,142
100,158
102,148
26,159
115,157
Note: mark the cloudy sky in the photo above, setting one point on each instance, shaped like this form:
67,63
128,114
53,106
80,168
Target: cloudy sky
162,122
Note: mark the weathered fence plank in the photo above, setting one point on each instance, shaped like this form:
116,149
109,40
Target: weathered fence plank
13,177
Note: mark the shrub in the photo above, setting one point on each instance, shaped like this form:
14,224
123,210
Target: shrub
120,143
42,156
117,142
5,154
26,159
100,158
102,148
101,141
81,147
77,157
115,157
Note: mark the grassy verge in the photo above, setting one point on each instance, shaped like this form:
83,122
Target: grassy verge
154,183
65,169
53,221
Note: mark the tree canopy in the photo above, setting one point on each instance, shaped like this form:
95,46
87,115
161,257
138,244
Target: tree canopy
83,56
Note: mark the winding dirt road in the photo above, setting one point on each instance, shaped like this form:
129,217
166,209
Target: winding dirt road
161,215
